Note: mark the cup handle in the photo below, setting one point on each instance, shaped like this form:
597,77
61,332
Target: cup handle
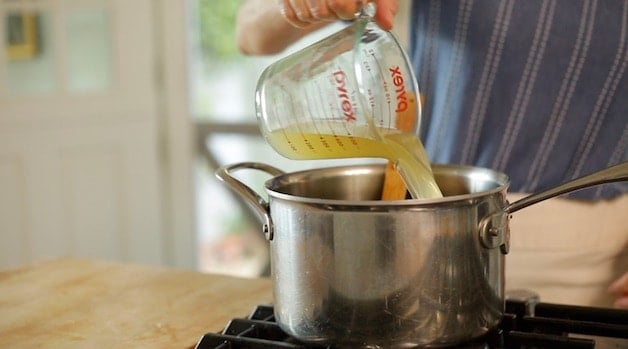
259,205
367,9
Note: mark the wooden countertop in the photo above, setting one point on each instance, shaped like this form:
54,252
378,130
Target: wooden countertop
76,303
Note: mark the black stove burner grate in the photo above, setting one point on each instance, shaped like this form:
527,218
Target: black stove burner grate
524,325
258,331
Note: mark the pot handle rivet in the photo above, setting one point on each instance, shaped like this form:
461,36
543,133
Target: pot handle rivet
495,232
268,230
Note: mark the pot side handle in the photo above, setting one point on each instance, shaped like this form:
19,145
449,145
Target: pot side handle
617,173
494,230
259,205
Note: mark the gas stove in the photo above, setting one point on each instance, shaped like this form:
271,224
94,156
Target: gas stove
526,323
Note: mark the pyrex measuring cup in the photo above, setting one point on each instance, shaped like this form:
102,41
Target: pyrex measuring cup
347,95
319,88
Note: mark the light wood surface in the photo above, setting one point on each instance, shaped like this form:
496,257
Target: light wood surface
74,303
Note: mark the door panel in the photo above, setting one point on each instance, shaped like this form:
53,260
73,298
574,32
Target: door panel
81,164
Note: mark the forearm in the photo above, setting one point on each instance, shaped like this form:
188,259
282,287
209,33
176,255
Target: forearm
262,29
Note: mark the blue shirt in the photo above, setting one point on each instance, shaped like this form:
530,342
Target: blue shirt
535,89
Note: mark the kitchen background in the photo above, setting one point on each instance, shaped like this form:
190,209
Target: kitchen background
114,115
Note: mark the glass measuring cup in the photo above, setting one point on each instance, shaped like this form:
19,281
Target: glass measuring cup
352,94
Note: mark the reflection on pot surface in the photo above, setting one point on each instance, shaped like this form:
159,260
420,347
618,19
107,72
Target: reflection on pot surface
370,277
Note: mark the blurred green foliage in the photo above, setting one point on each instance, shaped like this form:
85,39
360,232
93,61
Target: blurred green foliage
217,28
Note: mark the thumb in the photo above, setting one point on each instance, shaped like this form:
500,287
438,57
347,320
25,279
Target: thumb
385,13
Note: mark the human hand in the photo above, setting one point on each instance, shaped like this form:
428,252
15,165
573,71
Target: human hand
620,289
302,13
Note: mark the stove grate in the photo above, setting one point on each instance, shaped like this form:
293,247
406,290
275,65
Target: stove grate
539,326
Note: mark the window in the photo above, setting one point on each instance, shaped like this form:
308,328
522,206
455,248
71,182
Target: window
222,102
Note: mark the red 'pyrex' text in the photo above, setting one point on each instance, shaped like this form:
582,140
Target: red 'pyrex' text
345,102
400,89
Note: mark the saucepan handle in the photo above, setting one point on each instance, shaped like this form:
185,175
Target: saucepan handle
259,205
494,231
617,173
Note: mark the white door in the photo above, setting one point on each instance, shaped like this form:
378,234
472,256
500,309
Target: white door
86,133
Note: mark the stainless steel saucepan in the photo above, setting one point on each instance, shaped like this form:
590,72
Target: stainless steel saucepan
356,271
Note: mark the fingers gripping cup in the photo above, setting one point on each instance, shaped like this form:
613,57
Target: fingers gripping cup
349,95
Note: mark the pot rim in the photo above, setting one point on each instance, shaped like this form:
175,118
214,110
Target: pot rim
502,183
